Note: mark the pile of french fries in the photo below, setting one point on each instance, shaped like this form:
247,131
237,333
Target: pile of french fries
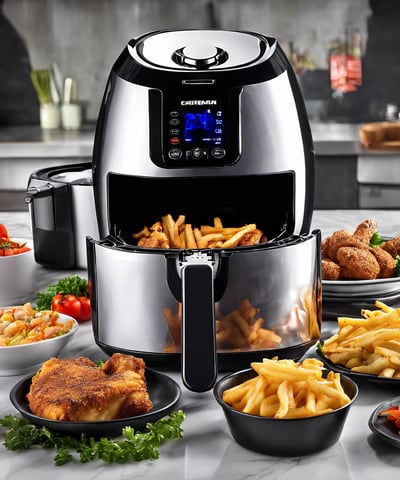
241,329
170,233
288,389
368,345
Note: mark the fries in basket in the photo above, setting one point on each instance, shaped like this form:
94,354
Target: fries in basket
288,389
240,329
170,233
368,345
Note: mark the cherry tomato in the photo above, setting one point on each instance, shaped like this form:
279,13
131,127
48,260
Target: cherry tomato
3,231
76,307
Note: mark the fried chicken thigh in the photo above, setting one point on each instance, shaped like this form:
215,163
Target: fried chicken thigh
79,390
357,263
347,255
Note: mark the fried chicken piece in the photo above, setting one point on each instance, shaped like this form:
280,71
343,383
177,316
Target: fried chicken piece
79,390
366,230
153,237
357,263
343,238
330,270
251,238
325,247
392,246
155,240
387,263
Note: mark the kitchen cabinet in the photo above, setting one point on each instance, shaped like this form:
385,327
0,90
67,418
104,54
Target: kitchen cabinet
26,149
336,182
378,177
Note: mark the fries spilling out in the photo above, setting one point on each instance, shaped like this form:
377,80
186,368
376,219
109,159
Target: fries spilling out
288,389
170,233
368,345
241,329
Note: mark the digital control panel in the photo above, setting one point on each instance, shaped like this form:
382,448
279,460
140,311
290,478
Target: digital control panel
200,130
196,133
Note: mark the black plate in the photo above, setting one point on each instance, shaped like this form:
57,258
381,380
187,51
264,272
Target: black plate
382,427
361,376
163,390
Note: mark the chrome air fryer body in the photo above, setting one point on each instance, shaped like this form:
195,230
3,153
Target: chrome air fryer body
205,124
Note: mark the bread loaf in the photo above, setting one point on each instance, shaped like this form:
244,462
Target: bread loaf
381,135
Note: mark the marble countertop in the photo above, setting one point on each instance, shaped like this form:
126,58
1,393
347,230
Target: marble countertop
207,450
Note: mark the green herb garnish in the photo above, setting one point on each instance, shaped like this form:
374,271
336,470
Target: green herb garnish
74,285
398,266
134,447
376,240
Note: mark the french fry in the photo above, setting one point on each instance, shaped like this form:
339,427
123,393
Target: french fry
189,236
240,329
299,391
171,229
235,239
179,234
370,344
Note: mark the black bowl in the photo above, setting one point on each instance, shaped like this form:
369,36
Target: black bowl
290,437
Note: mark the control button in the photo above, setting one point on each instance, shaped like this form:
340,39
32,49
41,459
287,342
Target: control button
174,131
174,141
175,153
174,113
197,153
174,121
218,152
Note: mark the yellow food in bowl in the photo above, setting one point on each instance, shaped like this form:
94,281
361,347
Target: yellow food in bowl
23,324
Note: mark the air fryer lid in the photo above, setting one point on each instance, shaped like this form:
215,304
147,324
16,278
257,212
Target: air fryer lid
194,49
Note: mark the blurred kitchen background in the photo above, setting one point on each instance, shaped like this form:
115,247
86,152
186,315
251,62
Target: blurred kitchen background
84,38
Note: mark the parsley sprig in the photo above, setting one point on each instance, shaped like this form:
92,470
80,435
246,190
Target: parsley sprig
133,447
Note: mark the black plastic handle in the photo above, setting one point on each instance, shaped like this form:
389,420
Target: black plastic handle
199,358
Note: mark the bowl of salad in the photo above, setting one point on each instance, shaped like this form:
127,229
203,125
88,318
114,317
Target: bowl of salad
29,337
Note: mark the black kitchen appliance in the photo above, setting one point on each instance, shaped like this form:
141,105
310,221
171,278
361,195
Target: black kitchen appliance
61,206
205,124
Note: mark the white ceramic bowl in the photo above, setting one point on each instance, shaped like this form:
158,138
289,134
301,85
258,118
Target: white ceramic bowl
19,359
17,277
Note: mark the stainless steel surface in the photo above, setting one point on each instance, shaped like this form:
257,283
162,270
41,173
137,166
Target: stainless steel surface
84,220
281,280
242,48
268,140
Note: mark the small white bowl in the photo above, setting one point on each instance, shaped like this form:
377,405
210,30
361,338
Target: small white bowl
19,359
17,277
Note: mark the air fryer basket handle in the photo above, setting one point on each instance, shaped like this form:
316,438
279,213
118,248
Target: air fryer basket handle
199,358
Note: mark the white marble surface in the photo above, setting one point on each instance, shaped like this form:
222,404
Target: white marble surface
207,450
